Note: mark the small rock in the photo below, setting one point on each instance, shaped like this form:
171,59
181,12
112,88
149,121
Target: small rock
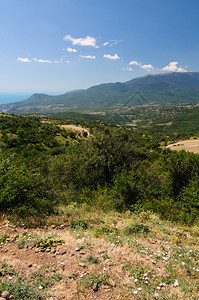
53,251
11,297
37,250
83,265
48,250
78,248
95,287
111,247
31,245
61,252
30,266
53,298
5,294
82,252
72,254
152,241
53,226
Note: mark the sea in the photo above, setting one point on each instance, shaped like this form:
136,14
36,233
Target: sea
6,98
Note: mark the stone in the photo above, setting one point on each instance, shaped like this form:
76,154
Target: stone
78,248
30,266
95,287
61,252
111,247
83,265
5,294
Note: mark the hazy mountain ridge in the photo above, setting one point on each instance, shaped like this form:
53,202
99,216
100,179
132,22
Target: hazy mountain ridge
160,89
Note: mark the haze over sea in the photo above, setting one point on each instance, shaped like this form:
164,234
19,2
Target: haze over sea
9,98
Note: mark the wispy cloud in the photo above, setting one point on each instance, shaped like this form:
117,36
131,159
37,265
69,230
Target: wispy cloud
87,41
111,43
173,67
71,49
58,61
114,57
127,69
147,67
42,60
88,56
24,59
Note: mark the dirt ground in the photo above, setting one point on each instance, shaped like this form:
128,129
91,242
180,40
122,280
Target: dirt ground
188,145
125,267
76,128
65,261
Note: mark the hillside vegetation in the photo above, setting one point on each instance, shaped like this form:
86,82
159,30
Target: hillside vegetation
44,166
96,211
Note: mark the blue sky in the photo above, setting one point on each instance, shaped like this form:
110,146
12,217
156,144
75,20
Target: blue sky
54,46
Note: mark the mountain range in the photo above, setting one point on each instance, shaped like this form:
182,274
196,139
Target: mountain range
157,89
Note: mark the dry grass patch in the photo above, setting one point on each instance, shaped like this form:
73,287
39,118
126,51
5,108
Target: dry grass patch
188,145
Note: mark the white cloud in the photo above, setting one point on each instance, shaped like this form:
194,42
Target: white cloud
106,43
87,41
114,57
88,56
42,60
71,49
148,67
172,67
134,62
24,60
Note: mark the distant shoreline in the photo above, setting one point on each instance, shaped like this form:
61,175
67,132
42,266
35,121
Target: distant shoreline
6,98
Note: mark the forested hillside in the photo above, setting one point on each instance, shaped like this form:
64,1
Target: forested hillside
44,166
157,89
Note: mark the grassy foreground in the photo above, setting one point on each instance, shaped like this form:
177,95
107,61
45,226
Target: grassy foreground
84,254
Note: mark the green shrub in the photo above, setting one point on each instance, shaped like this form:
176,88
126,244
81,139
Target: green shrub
104,230
78,224
48,243
136,229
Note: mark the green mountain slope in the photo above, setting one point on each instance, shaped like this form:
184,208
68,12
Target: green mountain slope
158,89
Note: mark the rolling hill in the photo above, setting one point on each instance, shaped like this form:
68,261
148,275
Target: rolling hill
157,89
